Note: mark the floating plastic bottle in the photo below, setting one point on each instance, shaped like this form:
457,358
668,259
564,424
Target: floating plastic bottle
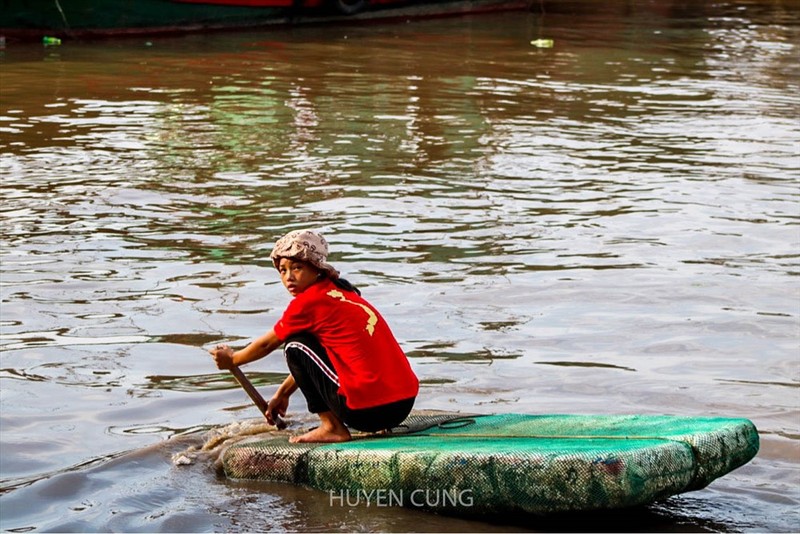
51,41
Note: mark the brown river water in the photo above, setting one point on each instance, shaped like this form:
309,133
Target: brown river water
610,225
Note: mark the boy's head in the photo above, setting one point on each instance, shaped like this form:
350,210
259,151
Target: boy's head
306,246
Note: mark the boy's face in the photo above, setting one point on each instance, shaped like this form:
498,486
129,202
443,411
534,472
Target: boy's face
297,276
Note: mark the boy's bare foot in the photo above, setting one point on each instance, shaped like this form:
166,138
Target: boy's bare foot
330,430
321,435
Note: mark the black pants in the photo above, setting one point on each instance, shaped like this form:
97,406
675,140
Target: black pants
314,374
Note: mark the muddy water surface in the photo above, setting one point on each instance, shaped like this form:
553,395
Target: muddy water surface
610,225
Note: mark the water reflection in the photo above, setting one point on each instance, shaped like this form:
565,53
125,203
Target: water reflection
484,355
588,364
210,382
280,123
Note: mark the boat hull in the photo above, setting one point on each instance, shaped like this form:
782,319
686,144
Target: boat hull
97,18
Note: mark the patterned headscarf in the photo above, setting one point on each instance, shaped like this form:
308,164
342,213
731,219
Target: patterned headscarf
307,246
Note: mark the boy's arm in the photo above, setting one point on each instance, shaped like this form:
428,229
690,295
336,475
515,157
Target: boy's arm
279,402
226,357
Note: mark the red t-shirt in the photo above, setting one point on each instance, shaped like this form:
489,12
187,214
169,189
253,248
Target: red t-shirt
372,368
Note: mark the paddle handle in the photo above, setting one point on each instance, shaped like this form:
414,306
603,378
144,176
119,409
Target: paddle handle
255,396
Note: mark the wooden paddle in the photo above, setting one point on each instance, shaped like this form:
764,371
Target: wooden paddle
255,396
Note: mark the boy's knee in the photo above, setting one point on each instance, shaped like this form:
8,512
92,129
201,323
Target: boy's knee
299,346
303,338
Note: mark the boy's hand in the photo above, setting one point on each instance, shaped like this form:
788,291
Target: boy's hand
223,356
276,408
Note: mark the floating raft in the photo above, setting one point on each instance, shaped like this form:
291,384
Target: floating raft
511,463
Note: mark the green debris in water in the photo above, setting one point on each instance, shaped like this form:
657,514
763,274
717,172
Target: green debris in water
543,43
